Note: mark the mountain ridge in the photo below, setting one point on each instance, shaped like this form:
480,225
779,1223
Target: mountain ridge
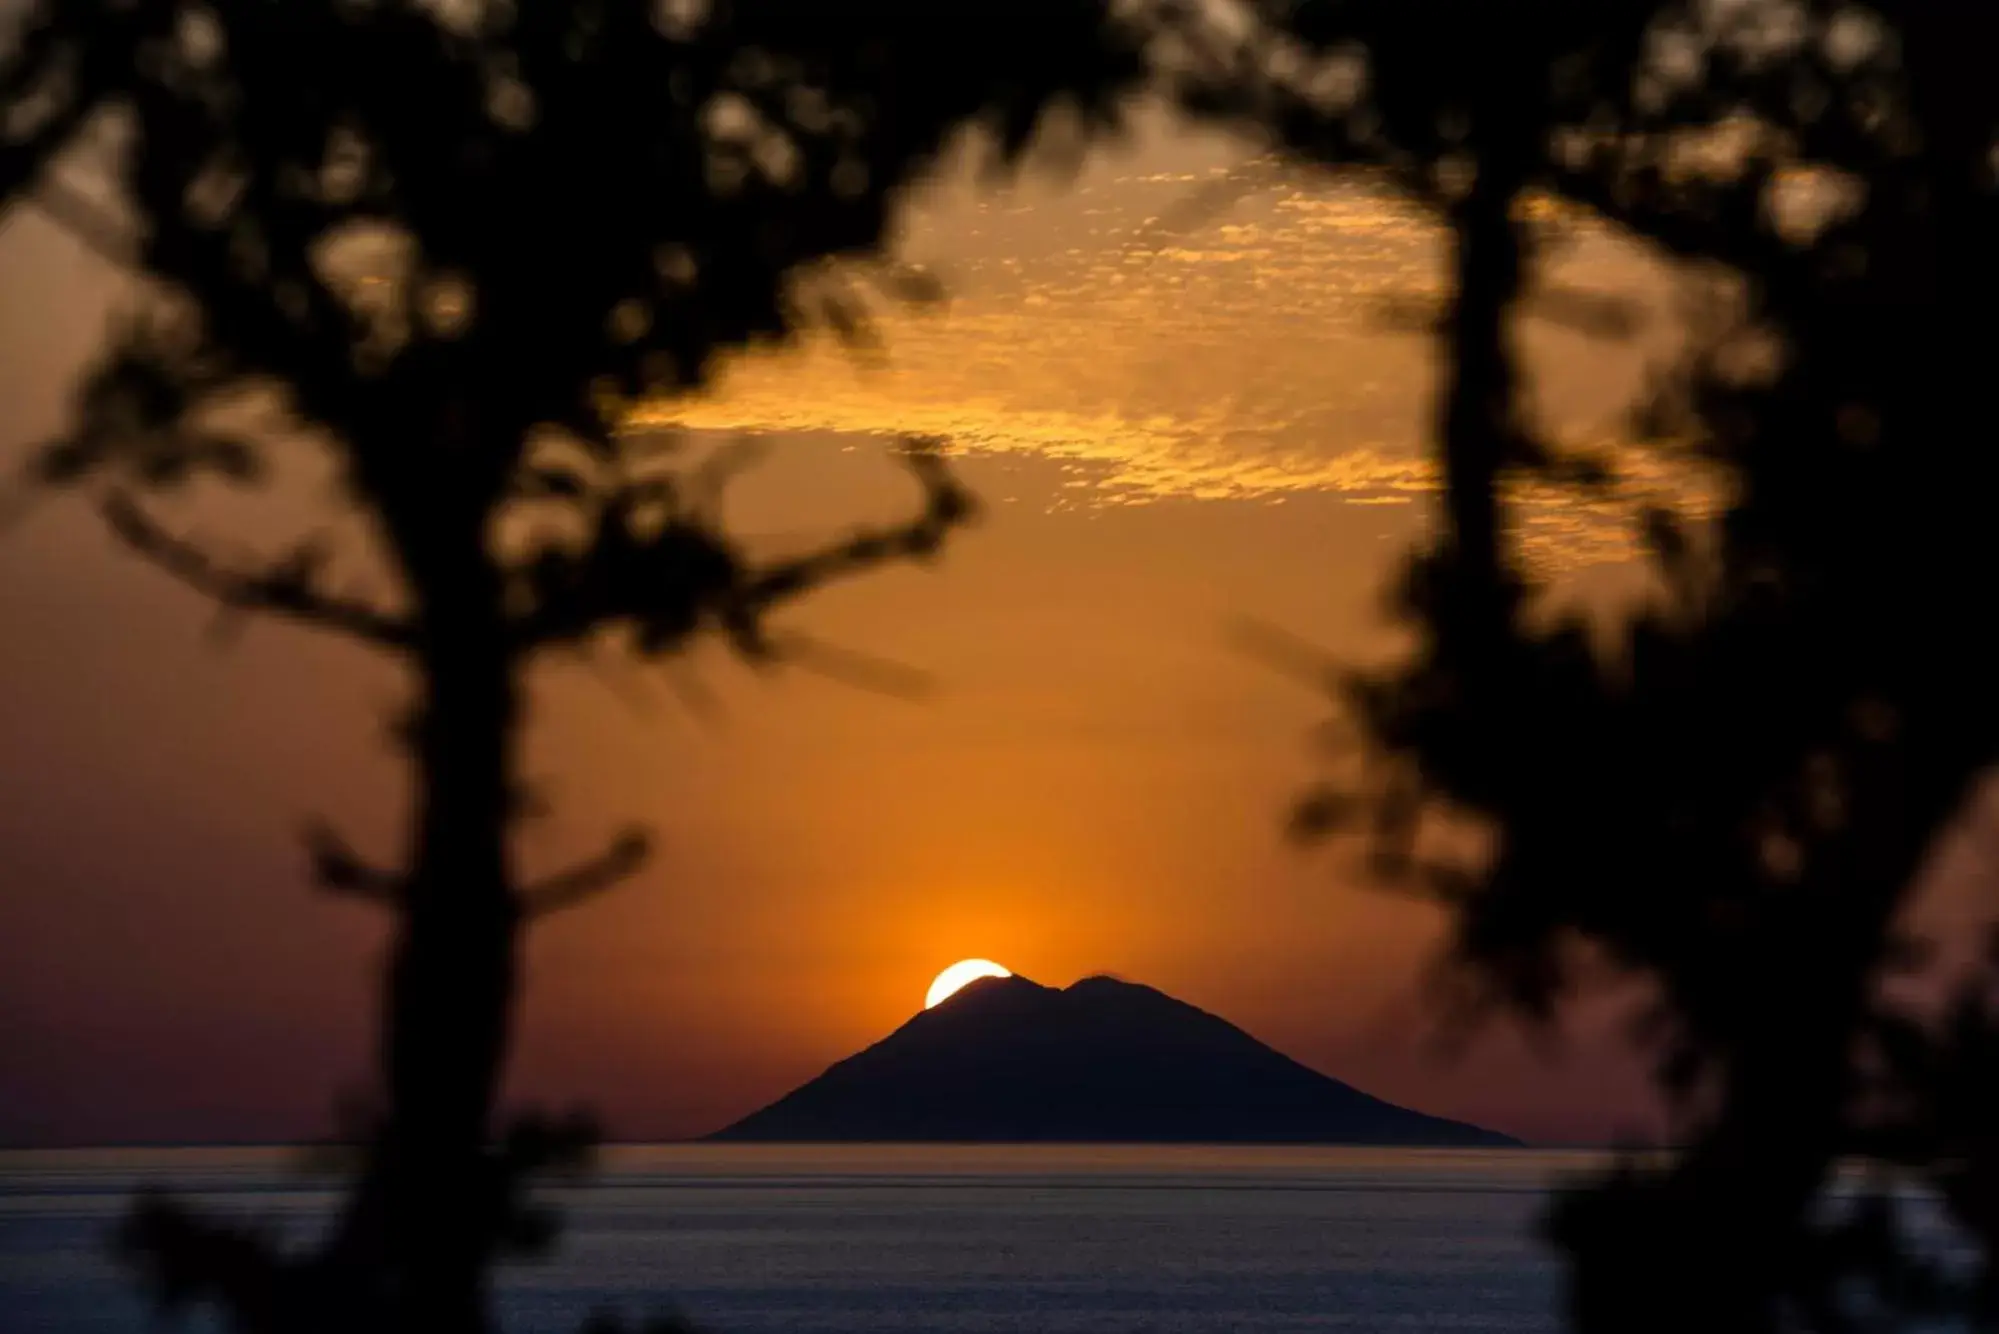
1008,1060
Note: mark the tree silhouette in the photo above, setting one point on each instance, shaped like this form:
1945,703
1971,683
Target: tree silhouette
450,243
1730,793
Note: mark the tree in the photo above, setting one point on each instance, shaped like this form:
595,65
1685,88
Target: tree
1729,797
450,242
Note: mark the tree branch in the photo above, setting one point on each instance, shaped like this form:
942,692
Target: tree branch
687,576
284,589
338,869
84,222
620,861
1282,651
945,507
864,671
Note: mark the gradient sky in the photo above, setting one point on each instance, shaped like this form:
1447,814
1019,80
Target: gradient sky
1174,420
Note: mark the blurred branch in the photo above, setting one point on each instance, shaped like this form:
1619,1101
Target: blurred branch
851,667
338,869
42,101
1281,651
85,223
185,1259
693,694
671,581
1204,204
284,589
946,507
619,862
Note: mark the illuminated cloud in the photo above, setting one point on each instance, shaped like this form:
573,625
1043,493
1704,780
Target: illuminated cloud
1239,348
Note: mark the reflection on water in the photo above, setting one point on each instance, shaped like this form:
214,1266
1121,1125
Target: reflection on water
952,1239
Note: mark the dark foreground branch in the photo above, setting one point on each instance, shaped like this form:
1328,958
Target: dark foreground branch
286,589
669,579
581,883
946,506
84,222
863,671
338,869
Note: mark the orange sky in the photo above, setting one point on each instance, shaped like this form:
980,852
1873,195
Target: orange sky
1172,424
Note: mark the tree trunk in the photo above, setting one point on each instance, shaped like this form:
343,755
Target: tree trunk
433,1194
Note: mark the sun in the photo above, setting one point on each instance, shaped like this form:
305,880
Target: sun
957,975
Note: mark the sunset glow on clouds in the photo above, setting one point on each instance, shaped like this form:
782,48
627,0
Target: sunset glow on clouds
1224,333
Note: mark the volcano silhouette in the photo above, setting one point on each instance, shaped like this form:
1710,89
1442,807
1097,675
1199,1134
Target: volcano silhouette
1006,1060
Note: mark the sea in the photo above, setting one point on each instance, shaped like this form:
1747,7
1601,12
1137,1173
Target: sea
879,1239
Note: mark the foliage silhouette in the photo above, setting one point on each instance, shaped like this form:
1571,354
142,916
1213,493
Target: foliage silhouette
1731,798
451,243
1730,793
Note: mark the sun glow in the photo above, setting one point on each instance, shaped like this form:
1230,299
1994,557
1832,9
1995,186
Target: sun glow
958,975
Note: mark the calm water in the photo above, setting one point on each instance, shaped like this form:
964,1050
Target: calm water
749,1240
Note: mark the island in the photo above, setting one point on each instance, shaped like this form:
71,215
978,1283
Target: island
1007,1060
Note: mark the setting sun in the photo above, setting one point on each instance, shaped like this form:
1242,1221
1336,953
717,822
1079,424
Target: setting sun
958,975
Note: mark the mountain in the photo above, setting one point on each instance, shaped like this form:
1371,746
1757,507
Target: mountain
1006,1060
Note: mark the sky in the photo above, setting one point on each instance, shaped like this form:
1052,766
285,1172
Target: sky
1176,417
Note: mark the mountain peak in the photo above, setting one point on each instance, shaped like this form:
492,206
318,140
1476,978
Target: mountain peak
1006,1059
1105,982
